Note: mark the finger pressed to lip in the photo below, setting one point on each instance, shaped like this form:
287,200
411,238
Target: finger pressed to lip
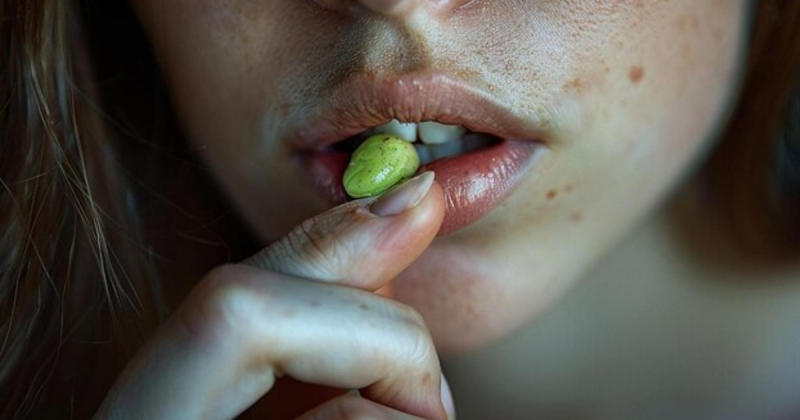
245,325
352,245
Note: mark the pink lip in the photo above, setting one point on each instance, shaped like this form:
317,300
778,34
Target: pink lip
368,101
473,183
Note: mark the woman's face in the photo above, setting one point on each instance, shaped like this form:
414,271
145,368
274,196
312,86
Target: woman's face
602,104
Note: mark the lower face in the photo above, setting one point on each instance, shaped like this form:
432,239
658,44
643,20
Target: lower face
624,96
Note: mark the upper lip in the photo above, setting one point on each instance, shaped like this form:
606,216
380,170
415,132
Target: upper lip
368,101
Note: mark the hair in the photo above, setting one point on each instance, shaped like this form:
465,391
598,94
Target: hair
72,271
75,272
754,176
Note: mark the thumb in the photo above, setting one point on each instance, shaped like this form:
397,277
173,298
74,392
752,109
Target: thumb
363,243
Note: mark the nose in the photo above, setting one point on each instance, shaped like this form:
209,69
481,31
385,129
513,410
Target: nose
392,8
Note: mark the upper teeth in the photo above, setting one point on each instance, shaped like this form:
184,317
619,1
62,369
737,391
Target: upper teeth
427,132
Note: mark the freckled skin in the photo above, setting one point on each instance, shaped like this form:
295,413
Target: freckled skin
245,73
380,163
636,75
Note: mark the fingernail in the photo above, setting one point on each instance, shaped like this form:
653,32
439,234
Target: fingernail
404,197
447,400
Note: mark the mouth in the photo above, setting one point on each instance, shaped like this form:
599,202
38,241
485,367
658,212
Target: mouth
477,148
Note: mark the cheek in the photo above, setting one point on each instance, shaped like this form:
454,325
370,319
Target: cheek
649,107
632,114
631,105
657,96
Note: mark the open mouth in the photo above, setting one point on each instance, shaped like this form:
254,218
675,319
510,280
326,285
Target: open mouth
477,147
477,171
432,140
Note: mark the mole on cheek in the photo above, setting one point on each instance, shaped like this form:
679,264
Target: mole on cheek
636,75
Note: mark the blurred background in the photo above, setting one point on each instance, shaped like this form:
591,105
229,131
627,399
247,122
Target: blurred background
645,341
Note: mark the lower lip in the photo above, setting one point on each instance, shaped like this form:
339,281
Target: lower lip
473,183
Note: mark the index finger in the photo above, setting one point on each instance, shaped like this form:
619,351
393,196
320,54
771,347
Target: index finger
364,243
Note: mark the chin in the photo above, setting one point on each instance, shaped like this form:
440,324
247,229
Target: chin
464,307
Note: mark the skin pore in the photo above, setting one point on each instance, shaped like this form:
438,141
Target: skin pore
628,95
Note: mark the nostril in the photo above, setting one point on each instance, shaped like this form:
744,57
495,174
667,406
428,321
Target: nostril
384,7
342,6
393,8
389,7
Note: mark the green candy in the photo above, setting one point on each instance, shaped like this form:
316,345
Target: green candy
378,164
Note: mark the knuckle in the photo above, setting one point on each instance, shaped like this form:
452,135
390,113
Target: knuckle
221,306
418,345
311,243
320,253
411,318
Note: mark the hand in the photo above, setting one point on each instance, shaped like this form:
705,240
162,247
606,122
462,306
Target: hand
302,307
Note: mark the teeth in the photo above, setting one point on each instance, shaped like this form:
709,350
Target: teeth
476,141
427,132
435,133
407,132
435,139
445,150
424,153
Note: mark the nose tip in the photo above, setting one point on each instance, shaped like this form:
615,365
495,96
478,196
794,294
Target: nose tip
392,8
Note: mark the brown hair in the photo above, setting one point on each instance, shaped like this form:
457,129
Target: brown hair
72,257
69,242
755,173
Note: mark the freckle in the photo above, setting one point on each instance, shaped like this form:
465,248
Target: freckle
569,188
364,307
636,74
552,194
315,304
577,85
687,23
426,379
577,217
